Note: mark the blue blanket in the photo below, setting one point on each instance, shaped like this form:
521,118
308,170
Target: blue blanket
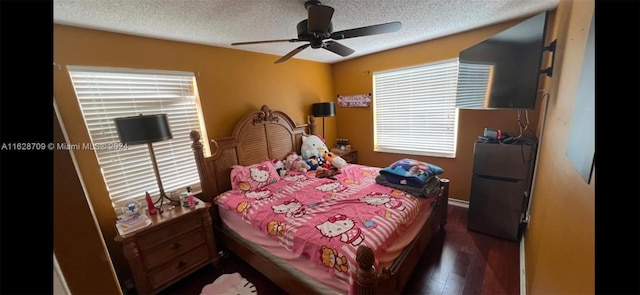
410,172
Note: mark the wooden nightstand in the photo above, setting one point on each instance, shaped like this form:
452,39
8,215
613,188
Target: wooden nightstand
177,243
351,156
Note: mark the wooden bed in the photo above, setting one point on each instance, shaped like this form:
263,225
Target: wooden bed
272,134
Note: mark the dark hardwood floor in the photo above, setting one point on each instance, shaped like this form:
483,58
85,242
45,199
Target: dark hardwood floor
458,261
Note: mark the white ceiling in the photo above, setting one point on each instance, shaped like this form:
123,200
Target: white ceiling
222,22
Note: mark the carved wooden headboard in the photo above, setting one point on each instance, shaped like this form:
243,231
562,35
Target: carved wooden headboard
260,135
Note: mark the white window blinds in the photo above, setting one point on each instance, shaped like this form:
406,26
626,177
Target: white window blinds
415,110
108,93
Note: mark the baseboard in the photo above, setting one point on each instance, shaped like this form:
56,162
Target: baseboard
458,203
523,276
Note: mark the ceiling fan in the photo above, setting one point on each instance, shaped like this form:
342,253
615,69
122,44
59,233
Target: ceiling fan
317,30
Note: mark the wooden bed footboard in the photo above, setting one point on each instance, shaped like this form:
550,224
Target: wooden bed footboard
272,134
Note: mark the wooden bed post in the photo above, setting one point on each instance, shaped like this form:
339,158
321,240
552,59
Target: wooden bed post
366,275
312,125
197,146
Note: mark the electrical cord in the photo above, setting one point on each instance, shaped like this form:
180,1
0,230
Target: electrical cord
521,138
526,135
533,139
524,127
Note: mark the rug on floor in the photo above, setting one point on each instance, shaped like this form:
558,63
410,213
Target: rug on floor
230,284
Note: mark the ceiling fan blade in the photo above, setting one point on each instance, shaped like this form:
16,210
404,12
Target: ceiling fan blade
337,48
292,53
319,18
367,31
266,41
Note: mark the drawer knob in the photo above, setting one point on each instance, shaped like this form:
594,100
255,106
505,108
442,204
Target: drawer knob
181,265
176,246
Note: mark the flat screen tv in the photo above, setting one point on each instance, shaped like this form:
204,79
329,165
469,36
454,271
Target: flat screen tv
502,72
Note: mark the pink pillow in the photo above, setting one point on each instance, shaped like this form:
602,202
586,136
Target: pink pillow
249,178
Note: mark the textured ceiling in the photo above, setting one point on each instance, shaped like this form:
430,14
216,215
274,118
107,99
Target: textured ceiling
222,22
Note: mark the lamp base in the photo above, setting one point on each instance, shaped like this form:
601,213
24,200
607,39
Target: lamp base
166,200
166,206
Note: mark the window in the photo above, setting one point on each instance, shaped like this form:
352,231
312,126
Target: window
108,93
415,110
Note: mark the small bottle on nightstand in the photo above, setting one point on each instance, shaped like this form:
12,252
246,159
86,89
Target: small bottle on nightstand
150,206
190,198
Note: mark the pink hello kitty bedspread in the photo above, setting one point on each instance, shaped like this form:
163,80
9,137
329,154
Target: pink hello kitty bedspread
325,220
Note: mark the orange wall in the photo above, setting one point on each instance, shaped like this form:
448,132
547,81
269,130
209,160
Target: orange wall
231,83
354,77
559,243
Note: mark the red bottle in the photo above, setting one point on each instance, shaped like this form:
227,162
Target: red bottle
151,207
190,198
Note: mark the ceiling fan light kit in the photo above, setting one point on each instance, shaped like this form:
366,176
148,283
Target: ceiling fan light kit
317,30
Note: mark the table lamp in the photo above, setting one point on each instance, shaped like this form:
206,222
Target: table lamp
323,109
146,129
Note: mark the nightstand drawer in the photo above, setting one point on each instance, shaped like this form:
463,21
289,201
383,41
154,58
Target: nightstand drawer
173,248
163,233
179,266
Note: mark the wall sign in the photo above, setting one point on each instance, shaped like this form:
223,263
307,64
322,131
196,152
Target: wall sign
354,101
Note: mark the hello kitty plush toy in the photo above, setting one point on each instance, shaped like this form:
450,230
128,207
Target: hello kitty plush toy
293,162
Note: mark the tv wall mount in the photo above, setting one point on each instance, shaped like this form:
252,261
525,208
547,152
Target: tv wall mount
551,48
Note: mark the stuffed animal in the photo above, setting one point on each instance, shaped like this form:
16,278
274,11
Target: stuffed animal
312,145
293,162
335,160
279,167
327,173
313,163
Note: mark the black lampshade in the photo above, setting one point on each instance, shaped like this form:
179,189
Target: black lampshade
143,129
323,109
